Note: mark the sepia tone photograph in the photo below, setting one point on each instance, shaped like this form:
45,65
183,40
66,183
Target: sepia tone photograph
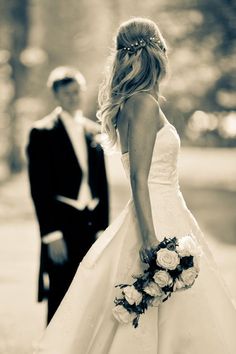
117,177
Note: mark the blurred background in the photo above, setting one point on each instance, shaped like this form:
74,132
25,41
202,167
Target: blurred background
200,100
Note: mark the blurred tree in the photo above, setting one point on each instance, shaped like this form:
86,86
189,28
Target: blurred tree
73,33
203,46
220,23
13,38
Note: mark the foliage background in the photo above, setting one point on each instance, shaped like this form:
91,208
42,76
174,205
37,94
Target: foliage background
37,35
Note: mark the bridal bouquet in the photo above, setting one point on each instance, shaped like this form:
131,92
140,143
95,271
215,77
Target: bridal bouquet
172,266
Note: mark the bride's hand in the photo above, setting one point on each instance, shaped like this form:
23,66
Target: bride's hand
146,249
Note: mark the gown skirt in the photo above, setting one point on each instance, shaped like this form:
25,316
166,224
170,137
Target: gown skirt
201,320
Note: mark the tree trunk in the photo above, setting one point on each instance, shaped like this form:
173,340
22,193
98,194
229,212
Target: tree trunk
14,23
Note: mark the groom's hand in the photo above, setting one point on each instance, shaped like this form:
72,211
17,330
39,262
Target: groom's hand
57,251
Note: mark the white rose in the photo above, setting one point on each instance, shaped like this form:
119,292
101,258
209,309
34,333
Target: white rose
167,259
188,276
153,289
132,295
187,247
178,285
162,278
122,315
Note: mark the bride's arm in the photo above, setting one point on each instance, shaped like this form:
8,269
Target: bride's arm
144,122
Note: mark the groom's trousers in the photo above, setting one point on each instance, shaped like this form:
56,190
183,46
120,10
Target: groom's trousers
79,235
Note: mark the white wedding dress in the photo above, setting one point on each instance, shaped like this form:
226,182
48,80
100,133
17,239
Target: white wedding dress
201,320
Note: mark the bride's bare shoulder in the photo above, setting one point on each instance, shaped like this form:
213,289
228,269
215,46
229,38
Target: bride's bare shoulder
142,105
141,99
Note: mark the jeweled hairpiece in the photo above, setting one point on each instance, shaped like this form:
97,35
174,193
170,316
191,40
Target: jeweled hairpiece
133,47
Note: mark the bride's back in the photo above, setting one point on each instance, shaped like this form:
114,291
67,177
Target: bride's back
126,114
123,127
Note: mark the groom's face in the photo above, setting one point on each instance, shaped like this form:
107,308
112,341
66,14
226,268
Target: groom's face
69,96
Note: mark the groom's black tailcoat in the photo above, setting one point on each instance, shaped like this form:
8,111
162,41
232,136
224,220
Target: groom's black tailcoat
54,170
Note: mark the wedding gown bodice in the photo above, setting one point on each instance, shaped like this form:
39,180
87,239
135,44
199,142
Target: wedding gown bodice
163,170
166,198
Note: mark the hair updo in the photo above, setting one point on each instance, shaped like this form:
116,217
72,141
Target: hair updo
138,63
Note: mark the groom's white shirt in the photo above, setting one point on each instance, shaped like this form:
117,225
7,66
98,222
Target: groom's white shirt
75,127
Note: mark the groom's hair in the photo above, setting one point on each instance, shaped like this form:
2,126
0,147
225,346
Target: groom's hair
64,75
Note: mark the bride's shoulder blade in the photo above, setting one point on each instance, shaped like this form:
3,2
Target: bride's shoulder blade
141,107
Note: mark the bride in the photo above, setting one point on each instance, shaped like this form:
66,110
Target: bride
201,320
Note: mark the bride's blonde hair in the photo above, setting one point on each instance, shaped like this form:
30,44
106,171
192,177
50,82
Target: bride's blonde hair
138,63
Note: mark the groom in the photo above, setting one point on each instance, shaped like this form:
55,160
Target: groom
68,185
